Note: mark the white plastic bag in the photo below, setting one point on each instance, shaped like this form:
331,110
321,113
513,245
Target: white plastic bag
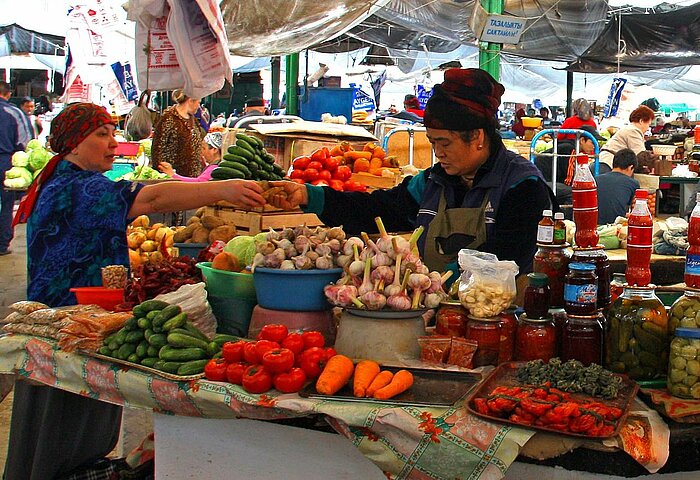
487,285
192,299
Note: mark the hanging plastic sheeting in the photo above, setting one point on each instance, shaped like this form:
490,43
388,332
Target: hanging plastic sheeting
180,44
258,28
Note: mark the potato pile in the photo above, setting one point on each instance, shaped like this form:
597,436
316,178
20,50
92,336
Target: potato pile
203,228
144,240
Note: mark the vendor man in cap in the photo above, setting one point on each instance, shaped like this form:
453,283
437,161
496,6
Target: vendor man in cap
479,195
254,107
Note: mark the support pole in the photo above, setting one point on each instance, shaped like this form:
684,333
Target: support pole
292,76
275,67
569,92
489,58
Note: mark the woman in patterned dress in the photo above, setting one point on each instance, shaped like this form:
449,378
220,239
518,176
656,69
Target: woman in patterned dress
76,224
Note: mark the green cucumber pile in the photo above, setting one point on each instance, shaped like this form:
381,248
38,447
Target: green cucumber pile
160,336
247,159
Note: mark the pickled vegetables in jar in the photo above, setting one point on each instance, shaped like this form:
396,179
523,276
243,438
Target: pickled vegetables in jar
684,364
637,339
685,311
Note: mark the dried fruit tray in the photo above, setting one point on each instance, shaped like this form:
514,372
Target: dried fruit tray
153,371
506,375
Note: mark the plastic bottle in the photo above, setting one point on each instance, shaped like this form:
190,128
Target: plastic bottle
640,226
545,229
559,229
585,196
692,257
696,134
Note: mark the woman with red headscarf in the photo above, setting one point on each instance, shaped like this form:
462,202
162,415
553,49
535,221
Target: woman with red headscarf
76,224
478,195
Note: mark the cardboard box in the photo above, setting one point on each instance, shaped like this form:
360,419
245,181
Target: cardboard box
252,223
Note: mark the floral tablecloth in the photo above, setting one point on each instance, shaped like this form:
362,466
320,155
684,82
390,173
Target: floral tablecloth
406,443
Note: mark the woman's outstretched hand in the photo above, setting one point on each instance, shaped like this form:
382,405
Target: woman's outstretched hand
244,193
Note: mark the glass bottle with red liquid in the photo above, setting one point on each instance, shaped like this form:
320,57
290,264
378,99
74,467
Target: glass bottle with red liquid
640,226
585,197
692,256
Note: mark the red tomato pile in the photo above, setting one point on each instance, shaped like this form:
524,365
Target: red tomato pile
277,359
551,408
320,168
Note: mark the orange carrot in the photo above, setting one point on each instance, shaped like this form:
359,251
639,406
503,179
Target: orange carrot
335,375
382,379
339,149
355,154
365,371
402,381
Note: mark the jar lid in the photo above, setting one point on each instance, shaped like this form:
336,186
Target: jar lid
525,318
580,266
687,332
589,249
451,303
484,319
586,317
627,286
558,246
538,279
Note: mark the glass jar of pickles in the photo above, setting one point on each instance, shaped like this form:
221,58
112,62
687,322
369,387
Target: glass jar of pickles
685,311
553,260
684,364
637,337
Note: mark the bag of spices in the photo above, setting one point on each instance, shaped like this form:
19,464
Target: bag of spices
434,349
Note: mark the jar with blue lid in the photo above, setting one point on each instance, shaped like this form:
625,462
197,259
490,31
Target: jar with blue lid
684,363
581,289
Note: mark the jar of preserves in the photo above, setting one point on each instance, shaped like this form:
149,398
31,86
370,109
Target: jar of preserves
451,319
553,260
617,284
486,332
685,311
537,294
580,289
509,323
558,318
684,364
535,338
637,340
582,339
597,257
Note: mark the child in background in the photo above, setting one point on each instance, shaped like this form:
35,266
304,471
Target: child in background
211,156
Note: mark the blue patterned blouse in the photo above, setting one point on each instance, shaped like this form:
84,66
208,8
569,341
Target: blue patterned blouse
77,227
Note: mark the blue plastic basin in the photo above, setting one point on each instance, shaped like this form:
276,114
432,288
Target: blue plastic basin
295,290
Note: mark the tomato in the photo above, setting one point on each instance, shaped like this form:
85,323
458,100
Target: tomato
331,163
324,175
301,163
320,154
235,371
312,362
215,370
313,338
275,332
300,181
263,346
233,351
320,183
330,352
294,342
256,379
290,382
336,185
296,174
343,173
354,186
279,360
250,353
310,174
316,166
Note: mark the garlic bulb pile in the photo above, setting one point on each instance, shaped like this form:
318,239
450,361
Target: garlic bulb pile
303,248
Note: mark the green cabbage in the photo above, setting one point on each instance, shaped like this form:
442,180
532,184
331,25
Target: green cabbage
38,158
18,177
243,247
146,144
20,159
143,173
33,144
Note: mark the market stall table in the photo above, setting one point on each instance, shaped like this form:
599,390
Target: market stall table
665,269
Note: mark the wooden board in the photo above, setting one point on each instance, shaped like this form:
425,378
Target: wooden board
375,181
252,223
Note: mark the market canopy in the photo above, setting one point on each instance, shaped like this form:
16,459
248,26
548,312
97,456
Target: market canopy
17,39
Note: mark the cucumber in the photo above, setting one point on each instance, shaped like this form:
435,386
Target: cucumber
176,322
150,305
152,351
180,340
278,170
213,348
130,324
121,336
166,314
110,338
250,139
149,361
243,144
192,368
144,323
236,166
147,333
105,351
221,338
125,350
138,312
134,336
133,358
152,314
142,349
243,152
269,158
268,167
113,345
158,340
194,331
174,354
230,157
224,173
168,367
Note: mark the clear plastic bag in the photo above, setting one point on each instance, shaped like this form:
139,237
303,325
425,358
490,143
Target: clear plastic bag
192,299
487,284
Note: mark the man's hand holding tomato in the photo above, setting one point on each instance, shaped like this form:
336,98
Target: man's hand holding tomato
295,194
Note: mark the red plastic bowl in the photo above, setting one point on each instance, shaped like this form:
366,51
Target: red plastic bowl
107,298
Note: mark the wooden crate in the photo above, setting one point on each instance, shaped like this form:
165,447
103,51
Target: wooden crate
375,182
252,223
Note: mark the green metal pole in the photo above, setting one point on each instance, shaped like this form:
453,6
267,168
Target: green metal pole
489,58
292,76
275,67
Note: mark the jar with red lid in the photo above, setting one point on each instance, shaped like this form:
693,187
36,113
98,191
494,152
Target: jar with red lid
582,339
487,333
451,319
597,257
535,339
553,260
509,324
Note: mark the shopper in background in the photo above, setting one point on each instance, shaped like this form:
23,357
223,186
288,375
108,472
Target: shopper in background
177,138
616,188
15,133
630,136
518,127
76,224
411,104
211,156
478,195
27,106
583,115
